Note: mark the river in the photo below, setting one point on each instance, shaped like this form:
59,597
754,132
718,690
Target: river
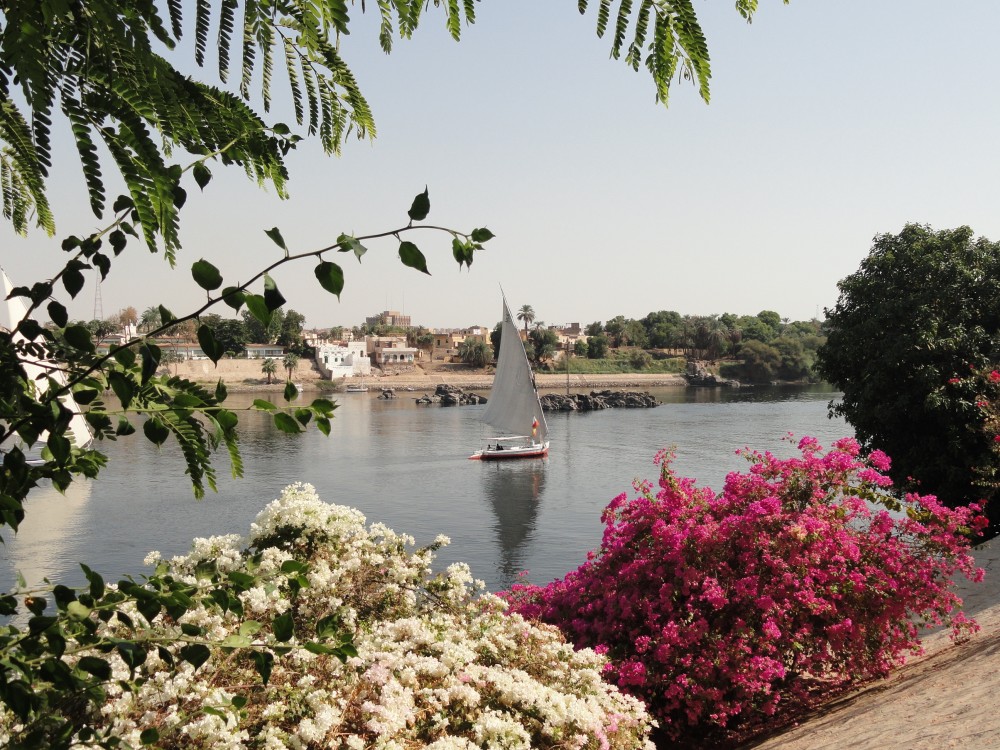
406,465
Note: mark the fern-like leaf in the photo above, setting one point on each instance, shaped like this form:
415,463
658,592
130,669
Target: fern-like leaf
635,51
202,18
621,27
227,23
88,155
175,9
291,64
454,20
312,94
250,31
603,16
385,25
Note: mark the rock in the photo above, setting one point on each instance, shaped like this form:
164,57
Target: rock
450,395
598,400
698,376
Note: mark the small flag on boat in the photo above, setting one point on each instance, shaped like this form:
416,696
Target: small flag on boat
534,427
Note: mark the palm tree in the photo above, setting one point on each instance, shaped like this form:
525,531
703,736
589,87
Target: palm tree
527,314
150,319
290,362
474,352
269,367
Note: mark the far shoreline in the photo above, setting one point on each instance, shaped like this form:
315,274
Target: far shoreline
427,382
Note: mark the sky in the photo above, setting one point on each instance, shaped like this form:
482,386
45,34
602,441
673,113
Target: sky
829,123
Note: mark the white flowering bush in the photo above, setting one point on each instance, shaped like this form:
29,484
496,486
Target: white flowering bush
314,632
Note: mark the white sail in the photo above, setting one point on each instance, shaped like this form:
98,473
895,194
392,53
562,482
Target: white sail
12,312
513,405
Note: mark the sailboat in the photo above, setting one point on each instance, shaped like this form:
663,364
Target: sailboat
513,407
357,387
12,312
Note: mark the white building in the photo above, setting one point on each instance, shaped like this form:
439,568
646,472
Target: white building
343,360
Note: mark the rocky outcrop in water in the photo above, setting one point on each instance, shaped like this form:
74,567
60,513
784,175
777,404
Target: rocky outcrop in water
598,400
450,395
697,375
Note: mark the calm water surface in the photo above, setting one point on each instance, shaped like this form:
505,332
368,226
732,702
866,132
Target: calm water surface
406,466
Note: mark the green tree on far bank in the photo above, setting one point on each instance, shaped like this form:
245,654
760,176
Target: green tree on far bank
270,368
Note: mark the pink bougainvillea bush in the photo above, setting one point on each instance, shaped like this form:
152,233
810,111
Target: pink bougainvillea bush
802,576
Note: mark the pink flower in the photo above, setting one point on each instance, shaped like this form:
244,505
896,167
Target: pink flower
995,376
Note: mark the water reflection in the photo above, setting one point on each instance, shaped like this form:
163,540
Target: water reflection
51,522
513,490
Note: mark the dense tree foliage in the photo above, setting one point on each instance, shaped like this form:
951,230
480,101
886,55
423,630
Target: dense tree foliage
475,352
919,317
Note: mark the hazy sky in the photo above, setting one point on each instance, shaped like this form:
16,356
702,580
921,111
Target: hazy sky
830,122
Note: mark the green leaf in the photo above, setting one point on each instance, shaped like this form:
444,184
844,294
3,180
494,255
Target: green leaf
95,581
462,251
323,406
220,391
149,736
258,308
206,275
132,654
262,405
411,256
124,427
202,174
95,666
283,627
348,244
482,235
286,423
420,207
291,392
328,627
250,627
319,648
236,641
208,343
234,297
73,278
294,566
195,654
275,234
166,316
125,356
264,662
272,297
118,242
57,313
330,277
155,431
122,386
78,611
150,354
79,338
323,424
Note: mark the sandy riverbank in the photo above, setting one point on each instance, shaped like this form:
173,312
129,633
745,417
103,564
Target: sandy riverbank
245,376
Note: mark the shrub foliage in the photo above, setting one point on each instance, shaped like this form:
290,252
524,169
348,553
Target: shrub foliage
319,633
802,576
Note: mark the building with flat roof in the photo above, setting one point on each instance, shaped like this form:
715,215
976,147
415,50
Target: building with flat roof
389,318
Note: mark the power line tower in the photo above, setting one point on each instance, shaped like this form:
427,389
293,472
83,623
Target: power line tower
98,302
